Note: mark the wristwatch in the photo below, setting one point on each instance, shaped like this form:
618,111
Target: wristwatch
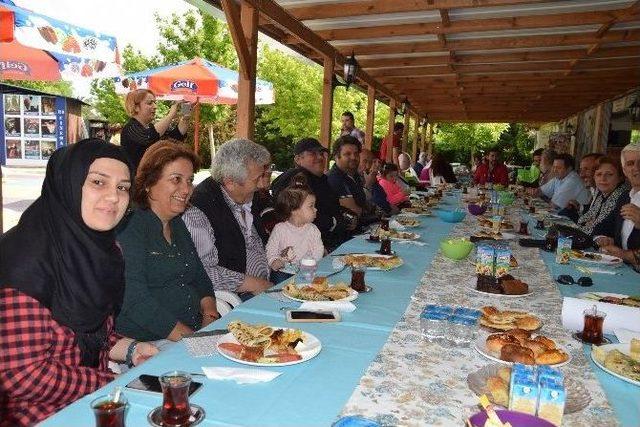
129,358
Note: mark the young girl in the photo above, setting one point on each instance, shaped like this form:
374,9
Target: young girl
296,237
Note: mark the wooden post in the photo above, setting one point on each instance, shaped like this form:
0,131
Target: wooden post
405,132
327,102
424,137
430,147
371,111
243,26
392,122
414,147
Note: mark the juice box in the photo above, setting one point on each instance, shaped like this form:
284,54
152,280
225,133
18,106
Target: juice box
563,250
503,261
524,394
485,260
546,372
551,401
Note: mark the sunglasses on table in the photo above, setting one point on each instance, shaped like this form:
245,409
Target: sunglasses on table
565,279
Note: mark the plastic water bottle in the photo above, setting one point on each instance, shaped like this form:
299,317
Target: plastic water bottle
308,267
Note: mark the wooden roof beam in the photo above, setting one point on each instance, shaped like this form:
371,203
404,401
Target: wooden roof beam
446,26
492,43
374,7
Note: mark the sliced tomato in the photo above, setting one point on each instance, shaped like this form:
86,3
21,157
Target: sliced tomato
231,347
286,357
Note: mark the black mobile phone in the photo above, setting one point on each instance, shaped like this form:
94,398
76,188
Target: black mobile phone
151,384
313,316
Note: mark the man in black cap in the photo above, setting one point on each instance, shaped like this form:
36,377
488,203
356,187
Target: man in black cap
309,159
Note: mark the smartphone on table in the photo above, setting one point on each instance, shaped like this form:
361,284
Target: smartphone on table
151,384
313,316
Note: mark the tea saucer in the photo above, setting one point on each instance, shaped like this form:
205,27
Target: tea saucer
197,415
392,253
578,337
367,289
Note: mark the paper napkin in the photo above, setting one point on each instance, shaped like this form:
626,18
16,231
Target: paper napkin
625,335
343,306
240,375
395,224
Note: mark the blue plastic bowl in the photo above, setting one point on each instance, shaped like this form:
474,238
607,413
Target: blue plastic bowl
451,216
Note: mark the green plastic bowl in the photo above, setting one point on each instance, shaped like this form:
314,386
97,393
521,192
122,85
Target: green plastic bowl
456,248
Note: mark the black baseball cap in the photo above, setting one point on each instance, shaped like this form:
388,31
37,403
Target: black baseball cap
308,144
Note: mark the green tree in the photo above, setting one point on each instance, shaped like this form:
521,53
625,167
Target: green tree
63,88
456,141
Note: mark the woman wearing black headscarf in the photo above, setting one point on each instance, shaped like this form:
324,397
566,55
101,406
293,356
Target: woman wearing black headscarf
61,283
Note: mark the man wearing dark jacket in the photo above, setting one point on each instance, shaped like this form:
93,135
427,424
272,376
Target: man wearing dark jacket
309,159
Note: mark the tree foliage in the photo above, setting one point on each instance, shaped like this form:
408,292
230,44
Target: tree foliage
63,88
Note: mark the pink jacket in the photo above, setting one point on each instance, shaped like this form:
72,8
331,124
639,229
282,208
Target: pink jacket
394,192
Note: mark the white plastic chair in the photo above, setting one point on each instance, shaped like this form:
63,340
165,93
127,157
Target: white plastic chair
226,301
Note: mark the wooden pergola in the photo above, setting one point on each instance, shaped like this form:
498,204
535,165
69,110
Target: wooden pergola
531,61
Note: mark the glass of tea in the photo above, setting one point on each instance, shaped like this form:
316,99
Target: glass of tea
593,322
357,277
109,412
175,398
385,246
384,223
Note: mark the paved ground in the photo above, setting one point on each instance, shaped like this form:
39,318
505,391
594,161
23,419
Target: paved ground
21,186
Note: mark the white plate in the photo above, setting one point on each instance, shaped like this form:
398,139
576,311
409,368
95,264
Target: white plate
474,281
606,259
374,255
416,236
601,295
623,348
481,347
352,295
308,349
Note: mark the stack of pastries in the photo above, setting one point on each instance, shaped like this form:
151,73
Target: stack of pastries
505,320
519,346
506,284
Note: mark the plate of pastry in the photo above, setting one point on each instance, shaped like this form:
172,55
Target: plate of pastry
505,286
620,360
595,258
319,290
373,261
612,298
520,346
506,320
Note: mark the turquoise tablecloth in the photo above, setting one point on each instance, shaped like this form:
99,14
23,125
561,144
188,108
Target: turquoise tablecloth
311,393
623,397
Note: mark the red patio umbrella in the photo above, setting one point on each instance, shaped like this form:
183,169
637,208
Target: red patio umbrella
18,62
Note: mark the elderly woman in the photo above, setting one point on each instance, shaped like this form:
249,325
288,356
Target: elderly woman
140,132
600,219
396,196
168,293
61,281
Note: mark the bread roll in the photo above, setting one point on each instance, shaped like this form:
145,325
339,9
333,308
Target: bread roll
505,374
551,357
535,346
489,310
517,354
499,390
520,334
496,341
529,323
547,342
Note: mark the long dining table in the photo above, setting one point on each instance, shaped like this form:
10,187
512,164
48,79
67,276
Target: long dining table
374,362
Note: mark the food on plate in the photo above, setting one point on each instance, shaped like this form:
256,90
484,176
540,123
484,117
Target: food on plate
408,222
499,390
488,235
631,301
417,210
520,348
507,285
508,320
262,343
405,235
381,262
585,255
483,221
622,364
517,354
319,290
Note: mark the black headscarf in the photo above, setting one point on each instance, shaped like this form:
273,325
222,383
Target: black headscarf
52,256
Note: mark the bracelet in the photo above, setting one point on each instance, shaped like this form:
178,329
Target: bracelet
129,358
